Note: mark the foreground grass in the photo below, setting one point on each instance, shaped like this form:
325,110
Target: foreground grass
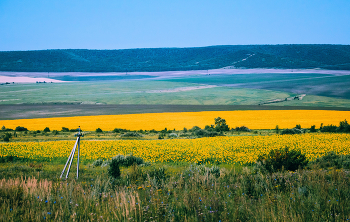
33,192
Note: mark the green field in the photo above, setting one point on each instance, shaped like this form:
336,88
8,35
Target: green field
172,91
132,92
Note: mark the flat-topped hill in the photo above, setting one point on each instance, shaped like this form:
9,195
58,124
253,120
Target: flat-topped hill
336,57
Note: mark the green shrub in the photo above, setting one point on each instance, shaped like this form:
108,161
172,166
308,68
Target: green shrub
113,170
332,159
97,163
282,158
98,130
7,137
173,135
313,129
344,127
64,129
243,129
291,131
131,159
127,160
118,130
277,129
47,129
329,129
21,128
205,133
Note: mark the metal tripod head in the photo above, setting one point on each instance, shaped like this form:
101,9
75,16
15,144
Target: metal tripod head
79,134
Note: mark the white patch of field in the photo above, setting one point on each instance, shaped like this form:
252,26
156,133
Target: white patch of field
45,76
25,79
181,89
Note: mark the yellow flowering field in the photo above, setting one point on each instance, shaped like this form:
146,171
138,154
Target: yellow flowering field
255,119
230,149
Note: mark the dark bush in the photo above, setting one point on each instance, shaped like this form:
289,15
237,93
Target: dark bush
6,138
127,160
291,131
98,130
54,132
209,128
205,133
5,159
164,130
47,129
113,170
118,130
278,158
64,129
313,129
329,129
243,129
194,129
21,128
131,159
344,127
332,159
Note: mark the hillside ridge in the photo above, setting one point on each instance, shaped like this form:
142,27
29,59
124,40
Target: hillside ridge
295,56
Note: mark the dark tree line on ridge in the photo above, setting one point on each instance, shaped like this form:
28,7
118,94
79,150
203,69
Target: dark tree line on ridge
335,57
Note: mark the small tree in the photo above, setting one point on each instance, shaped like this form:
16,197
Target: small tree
47,130
98,130
220,125
282,158
3,128
277,129
313,129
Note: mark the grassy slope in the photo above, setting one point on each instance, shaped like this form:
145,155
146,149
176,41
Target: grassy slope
165,59
132,92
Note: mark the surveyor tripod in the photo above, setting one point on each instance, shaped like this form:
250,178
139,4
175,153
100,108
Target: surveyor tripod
71,156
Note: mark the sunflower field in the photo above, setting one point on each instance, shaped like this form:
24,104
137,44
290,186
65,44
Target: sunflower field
253,119
229,149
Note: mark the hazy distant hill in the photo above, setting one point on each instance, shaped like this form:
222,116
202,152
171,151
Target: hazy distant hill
167,59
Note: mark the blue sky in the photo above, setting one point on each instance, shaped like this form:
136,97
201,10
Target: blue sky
122,24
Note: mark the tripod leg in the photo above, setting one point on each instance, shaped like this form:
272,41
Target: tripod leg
68,159
78,158
71,160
